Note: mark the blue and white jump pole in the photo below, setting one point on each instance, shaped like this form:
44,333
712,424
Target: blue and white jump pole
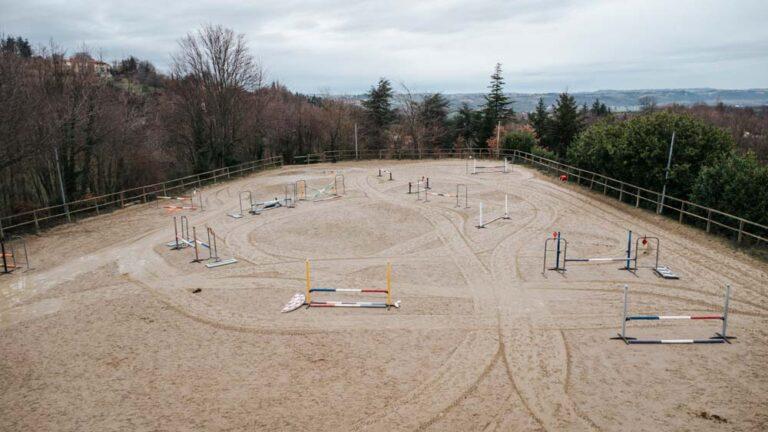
721,337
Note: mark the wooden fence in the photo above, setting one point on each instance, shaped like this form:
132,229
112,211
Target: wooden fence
709,219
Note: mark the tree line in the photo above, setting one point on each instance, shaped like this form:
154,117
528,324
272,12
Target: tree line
215,107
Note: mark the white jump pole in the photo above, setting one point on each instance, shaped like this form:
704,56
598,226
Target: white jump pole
505,165
480,224
725,311
506,205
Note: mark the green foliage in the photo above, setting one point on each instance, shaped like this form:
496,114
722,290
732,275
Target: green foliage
565,124
599,109
542,152
636,150
468,123
518,140
378,104
497,108
18,46
734,184
539,119
379,113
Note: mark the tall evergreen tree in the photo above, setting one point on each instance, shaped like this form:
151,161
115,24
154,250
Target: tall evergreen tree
539,119
566,123
467,124
497,108
378,111
599,109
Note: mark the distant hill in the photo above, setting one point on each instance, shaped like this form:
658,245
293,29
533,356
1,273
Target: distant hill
624,100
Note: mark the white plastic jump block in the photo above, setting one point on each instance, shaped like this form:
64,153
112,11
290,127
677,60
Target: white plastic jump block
235,215
221,263
666,273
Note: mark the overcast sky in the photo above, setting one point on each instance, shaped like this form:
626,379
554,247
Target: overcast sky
450,46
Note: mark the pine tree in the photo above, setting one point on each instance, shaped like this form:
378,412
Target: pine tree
497,108
566,123
599,109
379,112
539,120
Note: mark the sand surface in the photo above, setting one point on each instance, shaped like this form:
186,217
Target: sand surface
105,332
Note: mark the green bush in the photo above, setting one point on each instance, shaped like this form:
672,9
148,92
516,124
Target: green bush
735,184
636,150
518,140
542,152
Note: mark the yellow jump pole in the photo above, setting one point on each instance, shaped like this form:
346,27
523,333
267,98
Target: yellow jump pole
309,295
389,284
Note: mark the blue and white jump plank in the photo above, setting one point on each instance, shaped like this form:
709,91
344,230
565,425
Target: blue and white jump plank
356,290
674,317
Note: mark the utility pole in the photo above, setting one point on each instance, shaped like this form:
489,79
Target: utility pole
61,185
356,156
666,174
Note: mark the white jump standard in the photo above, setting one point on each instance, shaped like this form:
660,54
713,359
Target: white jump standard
721,337
482,224
385,172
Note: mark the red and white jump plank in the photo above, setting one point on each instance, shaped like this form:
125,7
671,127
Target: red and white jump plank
356,290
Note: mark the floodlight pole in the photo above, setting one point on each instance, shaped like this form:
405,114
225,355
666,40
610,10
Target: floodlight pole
61,184
666,174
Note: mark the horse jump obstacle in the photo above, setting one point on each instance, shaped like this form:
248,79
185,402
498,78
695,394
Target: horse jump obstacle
461,192
563,250
720,337
185,241
498,168
385,172
240,199
191,205
306,299
483,224
424,180
662,271
632,262
331,190
10,256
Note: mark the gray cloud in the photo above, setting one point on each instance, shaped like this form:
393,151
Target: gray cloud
449,45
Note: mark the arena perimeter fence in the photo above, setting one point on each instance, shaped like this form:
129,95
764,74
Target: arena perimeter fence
742,231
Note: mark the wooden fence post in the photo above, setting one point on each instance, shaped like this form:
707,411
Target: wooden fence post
709,219
741,230
637,202
682,211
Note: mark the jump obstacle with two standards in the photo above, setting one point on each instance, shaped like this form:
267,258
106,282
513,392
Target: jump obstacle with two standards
334,189
183,240
305,299
481,223
423,189
187,202
256,208
381,172
13,254
630,262
721,337
483,169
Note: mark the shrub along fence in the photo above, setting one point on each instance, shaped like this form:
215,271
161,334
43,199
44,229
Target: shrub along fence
711,220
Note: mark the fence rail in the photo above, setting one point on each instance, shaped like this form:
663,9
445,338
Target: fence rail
709,219
53,215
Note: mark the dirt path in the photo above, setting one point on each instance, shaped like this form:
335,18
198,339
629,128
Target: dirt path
107,332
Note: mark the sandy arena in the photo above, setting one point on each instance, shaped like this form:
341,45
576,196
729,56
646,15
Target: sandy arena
105,332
